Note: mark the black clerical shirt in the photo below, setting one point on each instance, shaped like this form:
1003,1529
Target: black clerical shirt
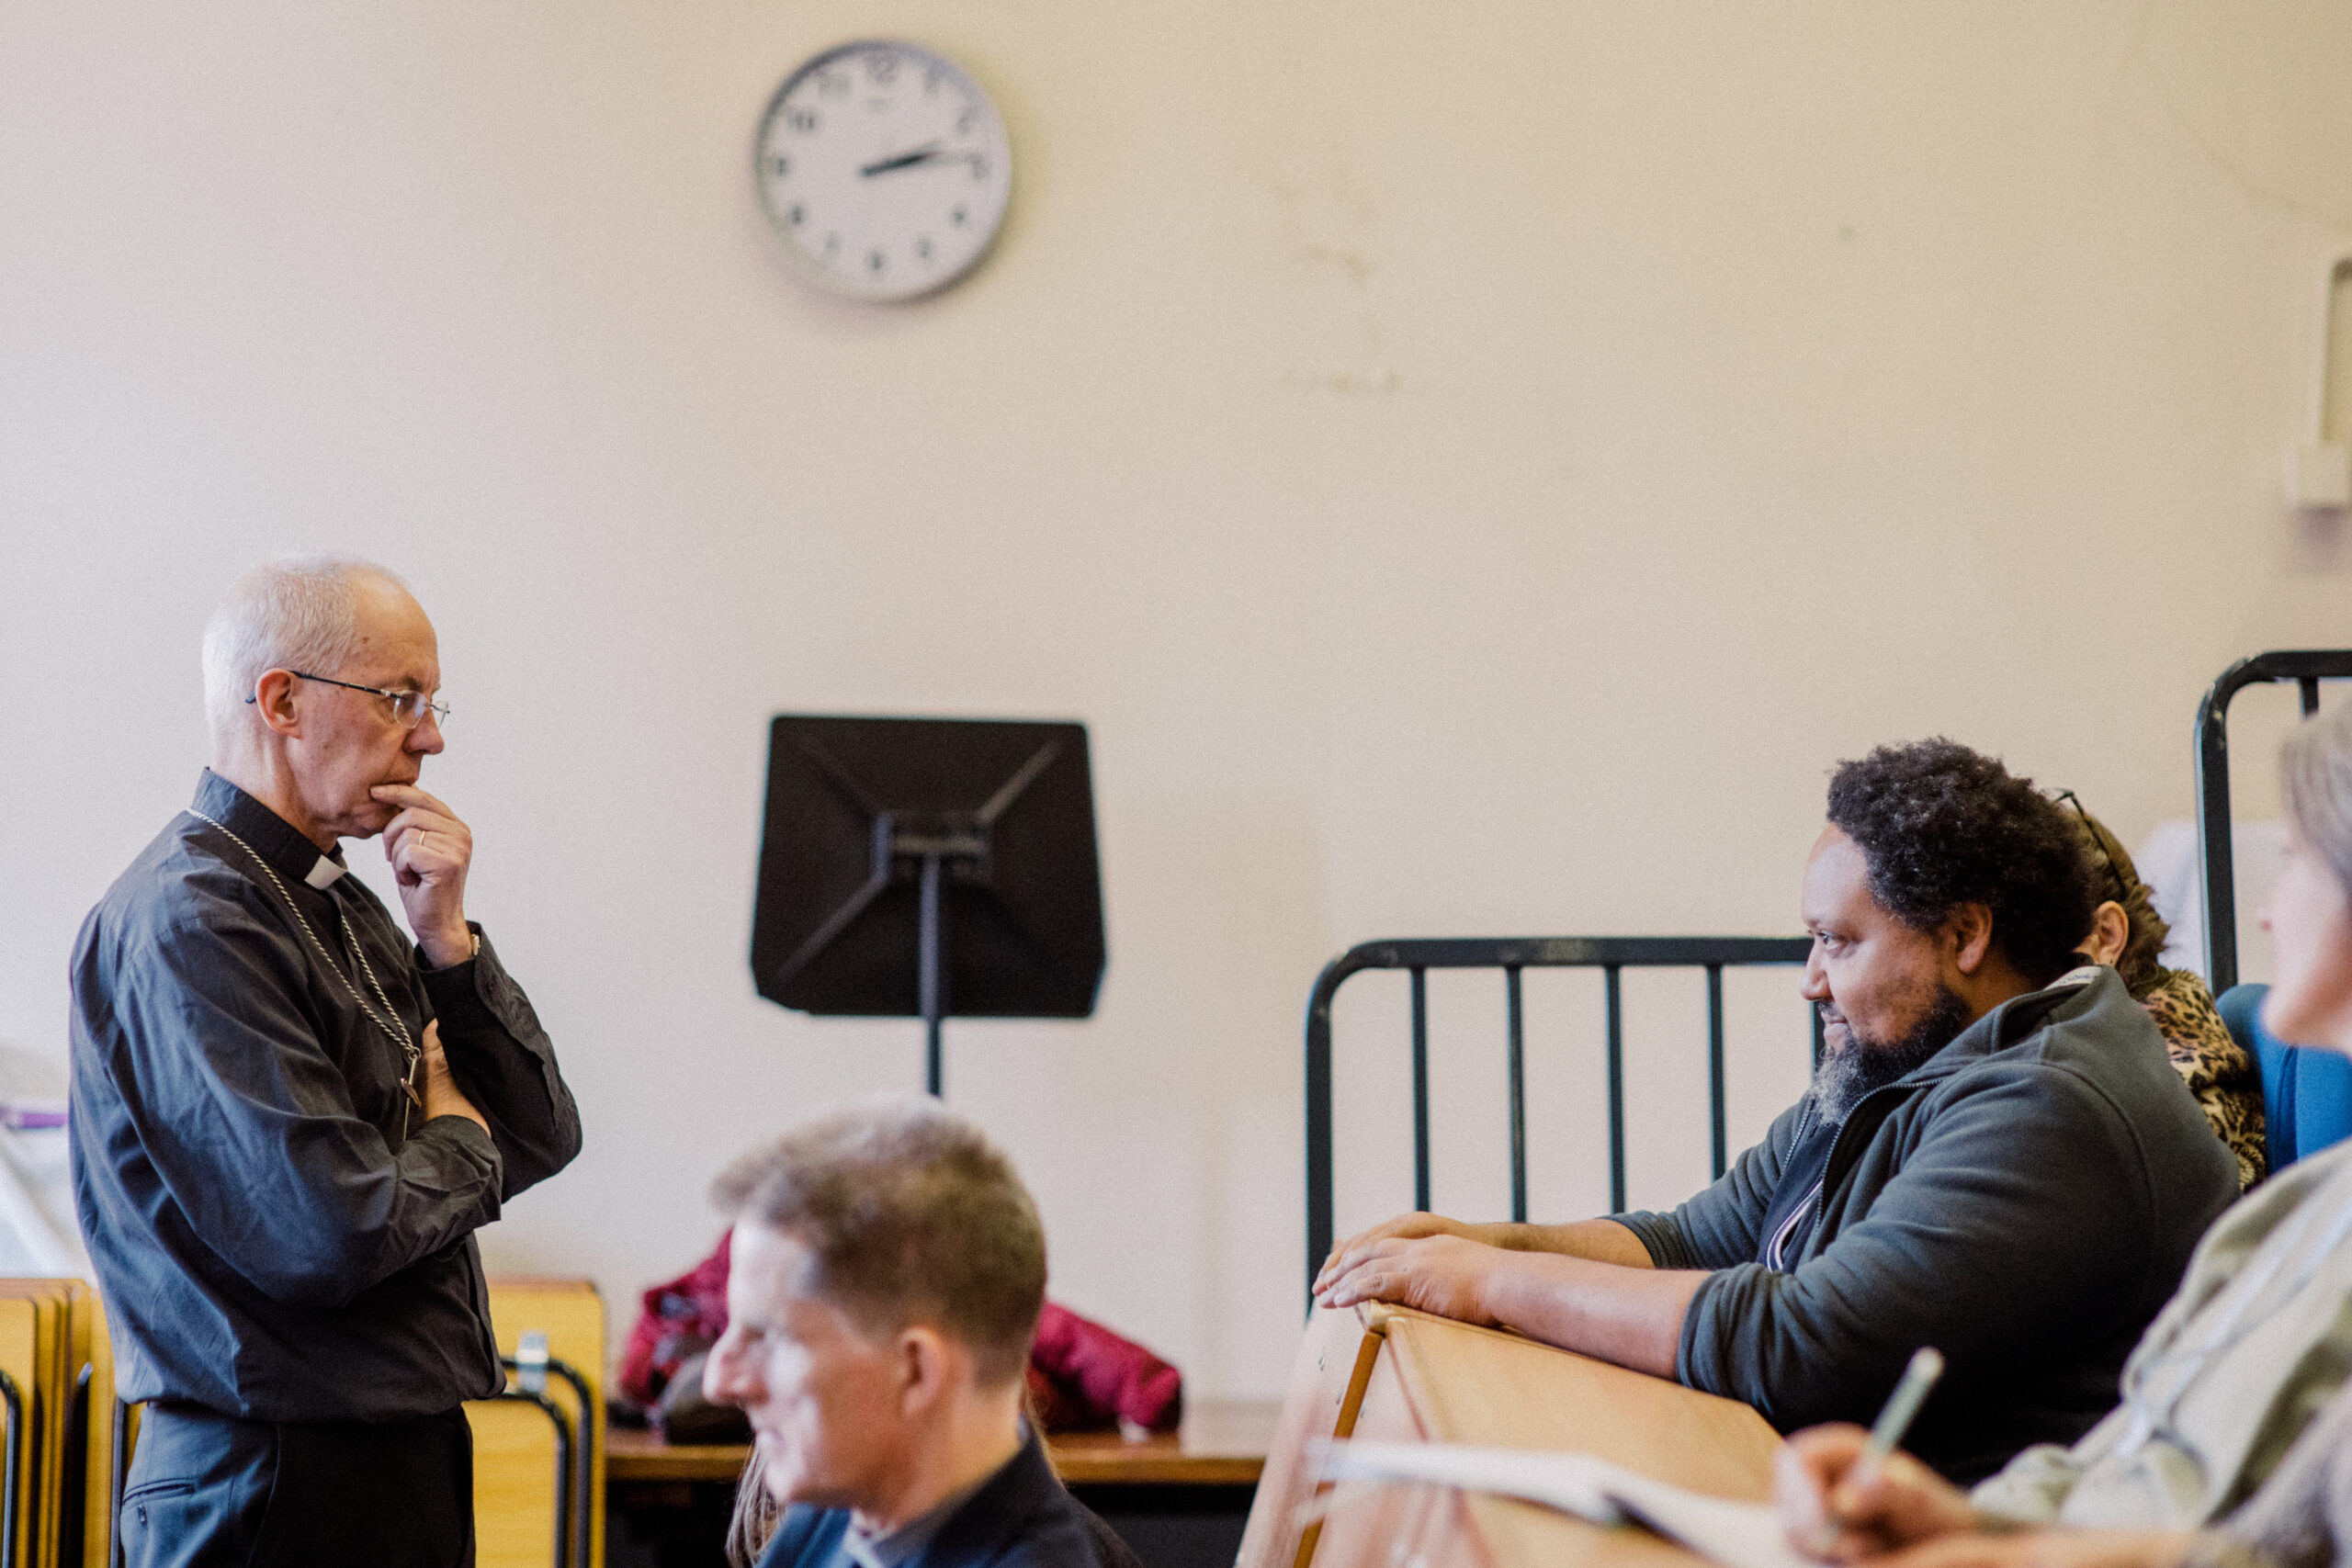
279,1234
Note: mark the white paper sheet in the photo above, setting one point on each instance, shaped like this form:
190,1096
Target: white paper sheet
1743,1535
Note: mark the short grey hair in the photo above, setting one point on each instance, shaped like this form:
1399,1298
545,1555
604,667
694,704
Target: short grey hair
293,613
909,1215
2315,777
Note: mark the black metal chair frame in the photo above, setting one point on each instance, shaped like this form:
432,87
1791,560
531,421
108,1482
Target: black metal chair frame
2307,667
566,1482
117,1480
583,1486
1611,956
74,1516
12,1454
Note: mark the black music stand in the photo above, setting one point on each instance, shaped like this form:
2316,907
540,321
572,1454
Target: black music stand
924,867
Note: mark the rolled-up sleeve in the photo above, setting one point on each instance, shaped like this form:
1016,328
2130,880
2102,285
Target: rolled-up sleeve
505,1063
2028,1197
251,1128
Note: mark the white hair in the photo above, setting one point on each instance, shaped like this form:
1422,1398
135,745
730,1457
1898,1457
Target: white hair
293,613
2315,778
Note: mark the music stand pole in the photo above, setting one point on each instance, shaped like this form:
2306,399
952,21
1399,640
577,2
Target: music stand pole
927,971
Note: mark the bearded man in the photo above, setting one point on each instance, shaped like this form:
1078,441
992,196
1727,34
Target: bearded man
289,1120
1995,1157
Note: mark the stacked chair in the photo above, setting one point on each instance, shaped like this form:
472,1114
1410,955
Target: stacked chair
42,1458
539,1446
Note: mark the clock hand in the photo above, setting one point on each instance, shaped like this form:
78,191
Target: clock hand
926,153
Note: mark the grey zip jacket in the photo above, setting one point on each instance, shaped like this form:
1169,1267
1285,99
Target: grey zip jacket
2258,1340
2025,1202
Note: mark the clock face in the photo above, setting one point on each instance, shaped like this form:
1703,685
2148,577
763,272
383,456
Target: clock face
885,168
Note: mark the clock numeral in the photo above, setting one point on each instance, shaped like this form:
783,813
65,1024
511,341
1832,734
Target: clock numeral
832,244
932,79
801,120
979,169
832,83
796,216
780,166
956,217
965,121
883,68
874,261
922,248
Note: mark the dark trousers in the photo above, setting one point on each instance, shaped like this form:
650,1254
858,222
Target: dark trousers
210,1491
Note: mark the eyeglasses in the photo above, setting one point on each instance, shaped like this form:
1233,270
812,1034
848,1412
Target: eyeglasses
408,707
2098,842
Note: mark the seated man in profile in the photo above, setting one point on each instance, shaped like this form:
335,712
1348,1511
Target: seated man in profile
1995,1157
889,1269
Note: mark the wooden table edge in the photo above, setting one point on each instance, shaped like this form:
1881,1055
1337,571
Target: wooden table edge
1086,1459
634,1454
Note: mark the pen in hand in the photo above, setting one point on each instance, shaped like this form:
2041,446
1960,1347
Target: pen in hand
1902,1406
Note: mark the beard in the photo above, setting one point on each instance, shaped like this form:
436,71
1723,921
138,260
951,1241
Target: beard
1845,1077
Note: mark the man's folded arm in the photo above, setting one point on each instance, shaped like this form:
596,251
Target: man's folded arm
251,1130
505,1063
2023,1214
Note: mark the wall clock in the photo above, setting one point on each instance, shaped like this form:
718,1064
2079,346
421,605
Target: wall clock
885,169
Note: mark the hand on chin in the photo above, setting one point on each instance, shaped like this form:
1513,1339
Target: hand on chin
369,816
367,821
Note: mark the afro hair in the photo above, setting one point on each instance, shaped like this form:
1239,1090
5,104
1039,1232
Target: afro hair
1941,826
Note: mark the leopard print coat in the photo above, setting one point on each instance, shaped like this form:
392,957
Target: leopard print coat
2219,1071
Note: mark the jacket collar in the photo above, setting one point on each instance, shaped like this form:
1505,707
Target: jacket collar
2086,986
2080,991
991,1516
2076,992
1004,1504
274,838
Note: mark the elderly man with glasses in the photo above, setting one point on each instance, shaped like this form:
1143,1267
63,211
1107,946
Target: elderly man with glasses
288,1120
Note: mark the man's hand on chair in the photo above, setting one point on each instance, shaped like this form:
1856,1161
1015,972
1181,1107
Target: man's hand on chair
1445,1273
1404,1228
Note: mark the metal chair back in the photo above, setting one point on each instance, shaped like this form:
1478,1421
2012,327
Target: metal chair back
2307,667
1611,956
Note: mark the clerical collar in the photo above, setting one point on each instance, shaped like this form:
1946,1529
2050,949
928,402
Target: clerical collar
273,838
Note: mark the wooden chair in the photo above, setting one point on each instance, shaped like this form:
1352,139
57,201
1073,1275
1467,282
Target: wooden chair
91,1471
37,1394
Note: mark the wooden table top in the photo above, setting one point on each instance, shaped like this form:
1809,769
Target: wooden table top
1222,1442
1409,1377
1475,1385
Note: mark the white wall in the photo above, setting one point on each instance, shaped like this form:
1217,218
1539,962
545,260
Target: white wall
1474,466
